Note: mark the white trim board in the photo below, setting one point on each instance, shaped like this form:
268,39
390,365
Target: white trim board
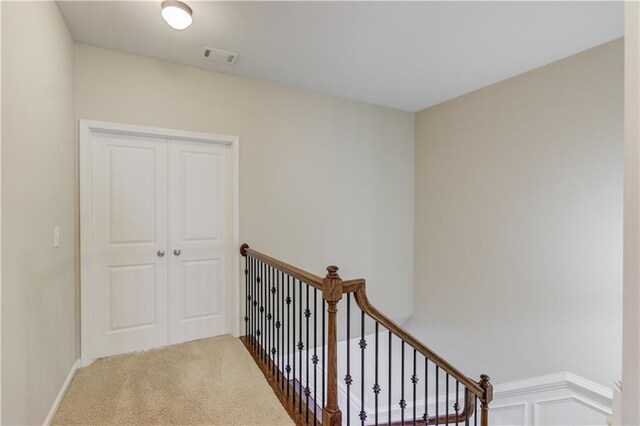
86,128
63,390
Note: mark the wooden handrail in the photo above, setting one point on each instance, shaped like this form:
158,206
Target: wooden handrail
351,286
365,305
297,273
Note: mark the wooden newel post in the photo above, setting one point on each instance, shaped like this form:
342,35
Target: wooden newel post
332,293
488,397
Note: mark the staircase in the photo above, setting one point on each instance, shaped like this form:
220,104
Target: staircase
386,377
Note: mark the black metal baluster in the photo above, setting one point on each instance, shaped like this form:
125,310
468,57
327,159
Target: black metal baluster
260,309
252,301
281,316
300,347
446,413
274,314
475,411
254,296
347,378
293,325
272,329
272,335
437,394
274,340
263,312
315,353
363,346
466,405
265,323
324,351
376,384
425,415
267,310
265,326
403,403
414,380
256,273
389,382
288,367
278,328
456,406
277,346
283,347
246,296
307,314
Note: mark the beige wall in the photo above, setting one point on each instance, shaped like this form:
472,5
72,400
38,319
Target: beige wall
323,180
631,324
38,158
518,222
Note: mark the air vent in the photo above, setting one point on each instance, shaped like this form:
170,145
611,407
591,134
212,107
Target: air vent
219,55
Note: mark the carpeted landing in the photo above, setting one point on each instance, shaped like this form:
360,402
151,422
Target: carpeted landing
210,381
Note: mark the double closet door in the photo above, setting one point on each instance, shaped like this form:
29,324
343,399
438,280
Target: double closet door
161,213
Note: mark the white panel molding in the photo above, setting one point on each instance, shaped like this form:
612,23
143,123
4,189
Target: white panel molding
558,388
522,406
63,390
538,405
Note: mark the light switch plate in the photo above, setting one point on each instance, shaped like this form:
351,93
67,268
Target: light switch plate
56,237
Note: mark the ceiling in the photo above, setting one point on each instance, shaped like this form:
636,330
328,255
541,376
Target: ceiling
405,55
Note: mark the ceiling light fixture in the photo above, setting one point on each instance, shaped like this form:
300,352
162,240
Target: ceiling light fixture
177,14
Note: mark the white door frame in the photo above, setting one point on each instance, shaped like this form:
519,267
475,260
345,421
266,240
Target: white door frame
86,128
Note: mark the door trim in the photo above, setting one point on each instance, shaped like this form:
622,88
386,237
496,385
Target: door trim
85,131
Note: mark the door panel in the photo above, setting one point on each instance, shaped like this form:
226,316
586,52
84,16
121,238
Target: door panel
132,197
129,215
200,212
201,299
128,284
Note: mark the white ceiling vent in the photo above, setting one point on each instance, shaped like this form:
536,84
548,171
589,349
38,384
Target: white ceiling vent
219,55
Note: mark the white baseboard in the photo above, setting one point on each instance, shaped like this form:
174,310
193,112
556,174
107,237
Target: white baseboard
63,390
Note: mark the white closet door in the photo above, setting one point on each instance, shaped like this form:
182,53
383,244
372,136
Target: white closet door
200,237
129,216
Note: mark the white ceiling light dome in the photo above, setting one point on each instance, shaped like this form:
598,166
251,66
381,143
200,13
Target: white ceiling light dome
176,14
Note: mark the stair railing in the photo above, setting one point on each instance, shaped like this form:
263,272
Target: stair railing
291,331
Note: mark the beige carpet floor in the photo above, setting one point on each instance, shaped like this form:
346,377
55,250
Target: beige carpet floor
210,381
